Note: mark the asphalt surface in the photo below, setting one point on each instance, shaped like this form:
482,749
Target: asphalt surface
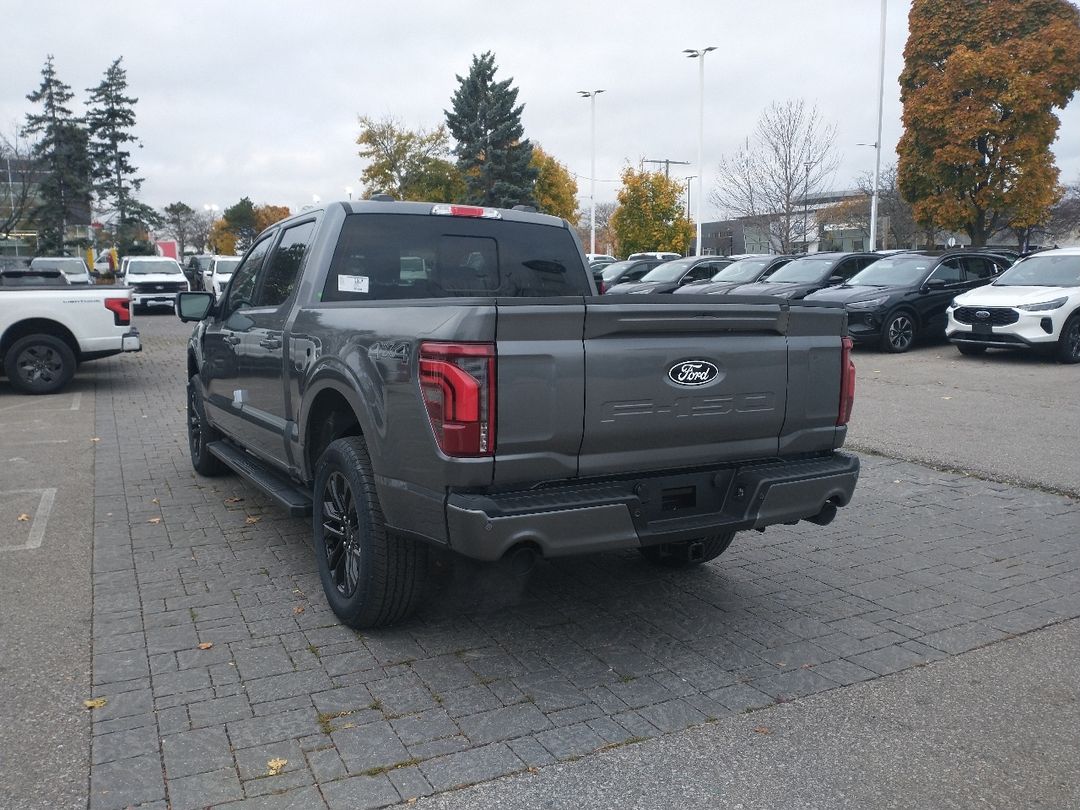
1010,416
46,515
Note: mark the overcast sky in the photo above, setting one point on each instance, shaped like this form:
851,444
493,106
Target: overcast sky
261,99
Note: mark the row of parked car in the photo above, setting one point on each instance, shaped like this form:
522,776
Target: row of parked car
979,299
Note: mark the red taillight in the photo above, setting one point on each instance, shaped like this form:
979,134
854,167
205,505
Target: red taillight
847,381
600,287
119,308
457,381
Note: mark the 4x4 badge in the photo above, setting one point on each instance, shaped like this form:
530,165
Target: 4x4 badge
692,373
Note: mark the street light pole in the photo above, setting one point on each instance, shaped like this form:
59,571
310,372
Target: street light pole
877,144
591,95
700,54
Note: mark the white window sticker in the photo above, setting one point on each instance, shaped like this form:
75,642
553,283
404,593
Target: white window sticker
356,284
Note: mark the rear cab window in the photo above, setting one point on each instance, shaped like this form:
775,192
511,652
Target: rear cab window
381,257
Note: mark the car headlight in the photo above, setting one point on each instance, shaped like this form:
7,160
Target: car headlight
1044,306
872,303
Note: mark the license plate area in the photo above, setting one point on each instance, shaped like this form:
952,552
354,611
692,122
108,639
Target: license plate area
678,496
982,329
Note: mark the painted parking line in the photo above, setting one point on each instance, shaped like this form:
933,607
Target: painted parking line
40,519
76,404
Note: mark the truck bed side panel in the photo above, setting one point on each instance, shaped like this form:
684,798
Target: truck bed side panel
813,380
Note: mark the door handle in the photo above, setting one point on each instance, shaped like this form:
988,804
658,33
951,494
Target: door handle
270,343
232,340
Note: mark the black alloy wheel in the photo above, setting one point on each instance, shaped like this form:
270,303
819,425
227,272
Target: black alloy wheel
342,534
39,364
371,576
1068,348
898,332
200,434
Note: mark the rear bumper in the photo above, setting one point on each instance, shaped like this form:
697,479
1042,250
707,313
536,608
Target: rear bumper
581,518
151,299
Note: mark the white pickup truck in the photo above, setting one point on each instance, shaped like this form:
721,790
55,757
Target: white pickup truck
46,331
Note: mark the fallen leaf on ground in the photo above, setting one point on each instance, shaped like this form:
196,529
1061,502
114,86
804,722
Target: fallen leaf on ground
298,609
233,499
155,521
96,703
95,439
206,645
24,517
155,500
274,766
761,730
946,397
252,519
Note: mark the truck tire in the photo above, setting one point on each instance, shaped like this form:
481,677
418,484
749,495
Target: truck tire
39,364
370,578
1068,345
676,555
200,434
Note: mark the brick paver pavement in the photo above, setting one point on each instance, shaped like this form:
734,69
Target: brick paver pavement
288,708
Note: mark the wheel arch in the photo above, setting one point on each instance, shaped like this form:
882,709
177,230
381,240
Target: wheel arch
39,326
332,411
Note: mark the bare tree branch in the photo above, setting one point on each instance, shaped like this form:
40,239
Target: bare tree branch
790,158
16,181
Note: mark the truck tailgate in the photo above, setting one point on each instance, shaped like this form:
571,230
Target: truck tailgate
676,385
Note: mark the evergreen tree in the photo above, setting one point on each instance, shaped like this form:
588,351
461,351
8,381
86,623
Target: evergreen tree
491,150
110,118
61,154
241,222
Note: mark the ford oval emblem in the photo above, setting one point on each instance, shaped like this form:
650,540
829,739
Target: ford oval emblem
982,313
692,373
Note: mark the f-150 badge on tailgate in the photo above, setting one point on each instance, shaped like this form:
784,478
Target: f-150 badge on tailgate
691,373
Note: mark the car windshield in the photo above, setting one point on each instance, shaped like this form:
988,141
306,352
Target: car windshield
1042,270
894,270
742,270
802,270
226,267
145,268
669,271
613,271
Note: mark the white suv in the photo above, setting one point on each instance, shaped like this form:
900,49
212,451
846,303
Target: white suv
1033,304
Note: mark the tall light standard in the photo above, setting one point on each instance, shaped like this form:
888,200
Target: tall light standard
877,144
700,54
591,95
349,190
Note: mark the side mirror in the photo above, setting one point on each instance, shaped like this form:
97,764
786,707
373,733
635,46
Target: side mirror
934,284
833,280
194,306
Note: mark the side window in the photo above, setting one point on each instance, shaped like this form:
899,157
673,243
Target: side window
866,261
636,273
284,266
949,271
702,271
846,269
977,268
242,288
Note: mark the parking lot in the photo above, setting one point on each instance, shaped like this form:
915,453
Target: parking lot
192,606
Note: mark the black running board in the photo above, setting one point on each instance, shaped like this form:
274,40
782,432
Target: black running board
294,500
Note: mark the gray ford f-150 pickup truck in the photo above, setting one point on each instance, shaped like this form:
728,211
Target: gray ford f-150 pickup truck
414,374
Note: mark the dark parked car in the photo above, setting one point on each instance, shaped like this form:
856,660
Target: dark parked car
744,271
618,272
669,276
899,297
807,274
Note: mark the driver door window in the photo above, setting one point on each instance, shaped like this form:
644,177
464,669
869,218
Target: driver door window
948,271
242,289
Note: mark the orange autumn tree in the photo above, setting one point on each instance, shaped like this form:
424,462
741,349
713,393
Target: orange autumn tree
267,215
979,87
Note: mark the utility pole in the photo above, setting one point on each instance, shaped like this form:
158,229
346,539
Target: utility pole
668,164
591,95
877,143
